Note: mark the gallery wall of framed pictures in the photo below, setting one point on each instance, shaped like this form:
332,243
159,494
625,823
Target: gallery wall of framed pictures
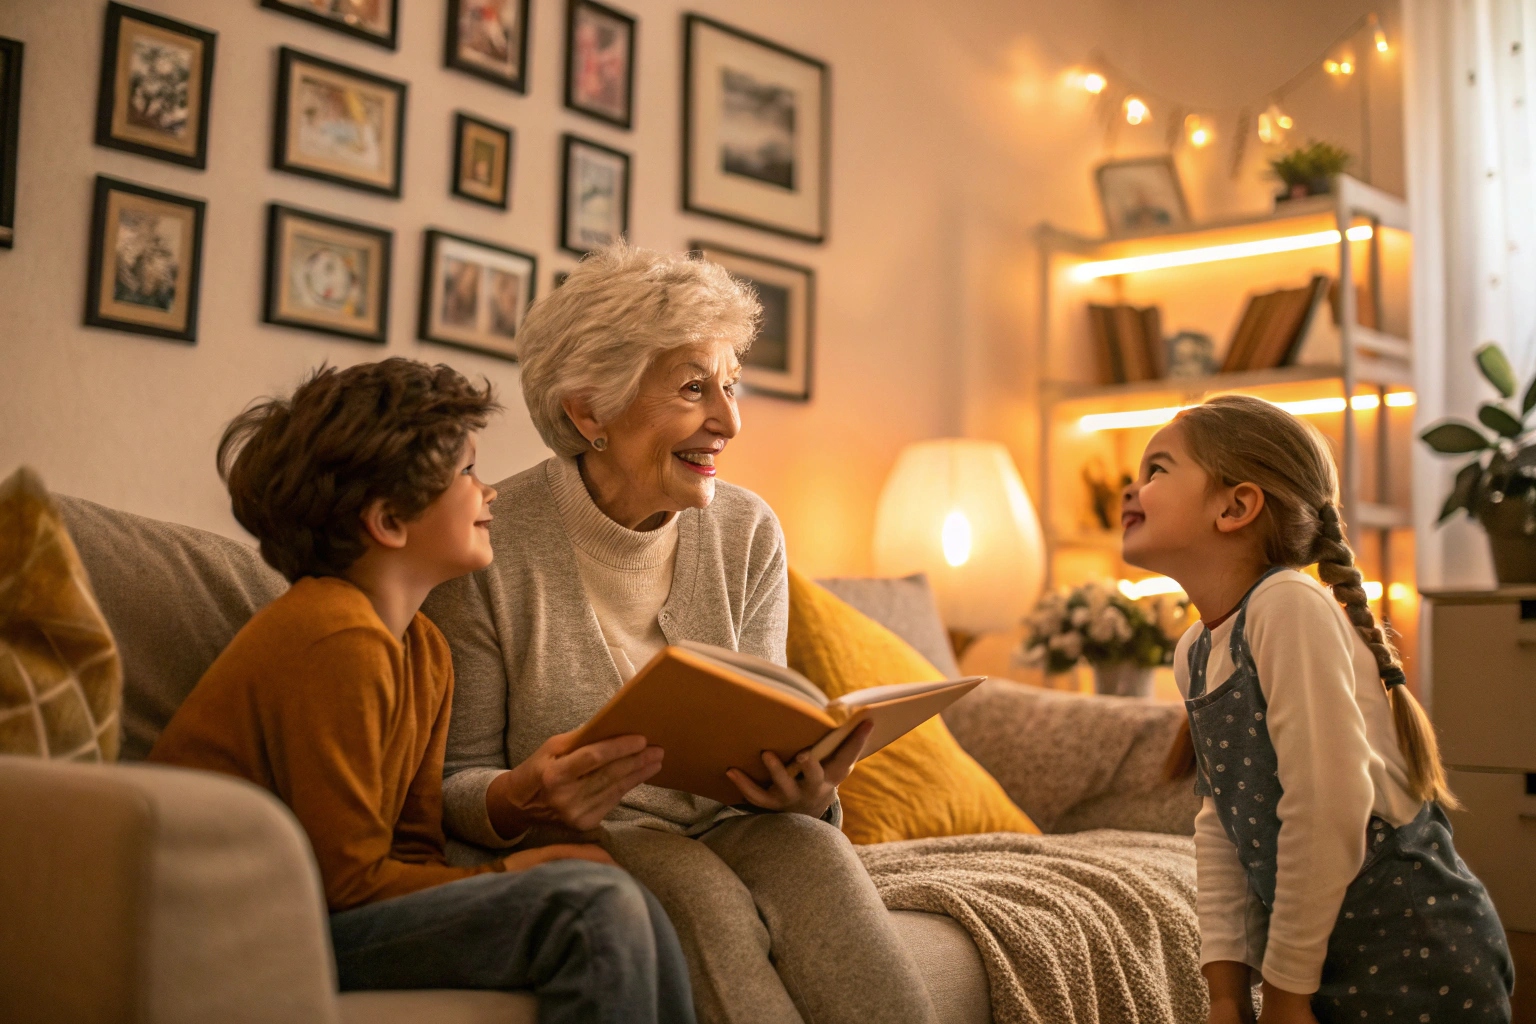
344,100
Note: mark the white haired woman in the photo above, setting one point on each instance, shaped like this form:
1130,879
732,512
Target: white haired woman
620,544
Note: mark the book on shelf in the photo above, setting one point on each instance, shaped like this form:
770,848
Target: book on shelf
711,709
1128,343
1273,327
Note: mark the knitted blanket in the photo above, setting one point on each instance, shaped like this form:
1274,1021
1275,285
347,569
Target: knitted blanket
1093,927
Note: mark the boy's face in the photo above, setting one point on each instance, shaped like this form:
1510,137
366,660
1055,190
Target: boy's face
453,535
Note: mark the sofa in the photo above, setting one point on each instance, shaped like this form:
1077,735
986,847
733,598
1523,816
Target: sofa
170,896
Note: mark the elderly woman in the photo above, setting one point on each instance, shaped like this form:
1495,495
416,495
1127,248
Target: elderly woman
623,543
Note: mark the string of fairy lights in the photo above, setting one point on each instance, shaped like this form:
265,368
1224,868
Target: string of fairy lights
1127,101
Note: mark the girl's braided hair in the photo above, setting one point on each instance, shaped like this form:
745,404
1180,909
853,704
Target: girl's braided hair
1236,439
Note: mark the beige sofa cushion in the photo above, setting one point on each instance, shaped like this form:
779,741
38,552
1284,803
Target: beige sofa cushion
174,597
61,683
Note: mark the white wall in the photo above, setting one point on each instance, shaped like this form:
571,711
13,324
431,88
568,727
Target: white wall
952,135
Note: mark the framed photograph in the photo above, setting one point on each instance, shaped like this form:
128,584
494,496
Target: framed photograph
10,136
373,21
756,131
1141,196
600,62
489,38
156,82
779,361
338,124
474,294
482,161
327,275
594,200
146,261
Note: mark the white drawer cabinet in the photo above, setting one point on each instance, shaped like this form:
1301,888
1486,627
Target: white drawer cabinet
1482,697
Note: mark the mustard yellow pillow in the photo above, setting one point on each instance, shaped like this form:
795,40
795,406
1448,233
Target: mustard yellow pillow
61,682
922,785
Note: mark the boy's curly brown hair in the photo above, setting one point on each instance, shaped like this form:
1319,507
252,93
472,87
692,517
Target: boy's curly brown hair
301,470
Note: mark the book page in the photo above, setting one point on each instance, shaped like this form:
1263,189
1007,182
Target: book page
760,670
876,694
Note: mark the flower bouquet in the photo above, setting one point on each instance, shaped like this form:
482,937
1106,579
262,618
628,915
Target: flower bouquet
1122,639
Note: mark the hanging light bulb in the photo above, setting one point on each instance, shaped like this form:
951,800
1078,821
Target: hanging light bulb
1273,124
1136,111
1378,36
1346,68
1331,66
1266,128
1199,135
1283,122
1094,82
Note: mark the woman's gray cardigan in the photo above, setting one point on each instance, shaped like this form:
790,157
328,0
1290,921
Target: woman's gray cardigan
529,657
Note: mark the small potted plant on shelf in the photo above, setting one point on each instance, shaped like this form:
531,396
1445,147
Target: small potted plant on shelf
1309,170
1498,487
1124,640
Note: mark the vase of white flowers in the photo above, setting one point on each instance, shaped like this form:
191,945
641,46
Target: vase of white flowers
1124,640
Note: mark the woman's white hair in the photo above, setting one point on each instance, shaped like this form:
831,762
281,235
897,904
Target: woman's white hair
594,336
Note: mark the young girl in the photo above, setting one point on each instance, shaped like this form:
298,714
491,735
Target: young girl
1324,856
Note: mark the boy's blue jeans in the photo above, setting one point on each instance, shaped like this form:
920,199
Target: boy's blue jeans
587,939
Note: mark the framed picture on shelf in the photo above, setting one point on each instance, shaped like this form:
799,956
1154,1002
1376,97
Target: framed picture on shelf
482,161
373,21
489,38
339,124
600,62
779,361
594,200
1141,196
145,261
474,294
327,275
756,131
10,135
156,82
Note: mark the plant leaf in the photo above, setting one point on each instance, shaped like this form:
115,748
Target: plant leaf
1452,438
1462,491
1497,419
1530,399
1496,369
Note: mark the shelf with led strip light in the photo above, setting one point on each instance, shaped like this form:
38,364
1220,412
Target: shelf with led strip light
1359,393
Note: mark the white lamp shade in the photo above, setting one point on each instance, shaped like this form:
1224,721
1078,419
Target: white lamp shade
956,510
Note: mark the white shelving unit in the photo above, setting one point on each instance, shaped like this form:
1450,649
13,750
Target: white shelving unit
1369,361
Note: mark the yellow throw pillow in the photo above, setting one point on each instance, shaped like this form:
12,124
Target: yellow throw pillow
61,681
922,785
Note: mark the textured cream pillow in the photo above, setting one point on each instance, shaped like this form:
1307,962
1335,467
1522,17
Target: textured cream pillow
61,682
923,784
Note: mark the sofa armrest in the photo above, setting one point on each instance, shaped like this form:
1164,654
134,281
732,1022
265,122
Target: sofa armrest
1075,762
146,893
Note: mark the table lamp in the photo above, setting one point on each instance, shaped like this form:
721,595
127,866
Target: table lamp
956,510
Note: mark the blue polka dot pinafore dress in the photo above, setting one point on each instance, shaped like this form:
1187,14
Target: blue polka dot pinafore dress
1417,939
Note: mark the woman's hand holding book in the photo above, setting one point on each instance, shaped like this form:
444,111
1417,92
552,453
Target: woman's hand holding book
816,786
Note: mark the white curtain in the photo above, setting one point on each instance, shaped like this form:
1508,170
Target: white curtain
1470,102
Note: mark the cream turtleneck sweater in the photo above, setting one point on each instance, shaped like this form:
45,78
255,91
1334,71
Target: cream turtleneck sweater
627,574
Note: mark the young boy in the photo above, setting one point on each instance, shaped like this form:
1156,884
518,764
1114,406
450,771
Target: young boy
335,697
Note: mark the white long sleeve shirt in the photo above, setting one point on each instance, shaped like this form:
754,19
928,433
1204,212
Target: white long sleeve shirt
1339,763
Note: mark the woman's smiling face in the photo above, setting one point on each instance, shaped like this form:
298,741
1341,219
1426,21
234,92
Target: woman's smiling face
665,443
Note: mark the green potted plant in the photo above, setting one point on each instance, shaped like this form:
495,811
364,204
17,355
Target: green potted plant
1123,640
1309,170
1498,487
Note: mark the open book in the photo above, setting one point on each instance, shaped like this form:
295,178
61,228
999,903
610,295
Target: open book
711,709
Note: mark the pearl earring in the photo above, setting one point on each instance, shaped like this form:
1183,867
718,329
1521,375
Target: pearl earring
599,443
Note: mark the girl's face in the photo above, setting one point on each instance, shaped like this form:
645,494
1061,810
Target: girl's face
1170,510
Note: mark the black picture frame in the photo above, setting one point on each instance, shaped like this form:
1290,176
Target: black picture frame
388,40
573,100
793,380
694,189
277,306
136,315
115,119
391,181
11,53
429,326
570,150
454,53
464,126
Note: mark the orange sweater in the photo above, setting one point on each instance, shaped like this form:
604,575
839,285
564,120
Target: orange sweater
317,702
